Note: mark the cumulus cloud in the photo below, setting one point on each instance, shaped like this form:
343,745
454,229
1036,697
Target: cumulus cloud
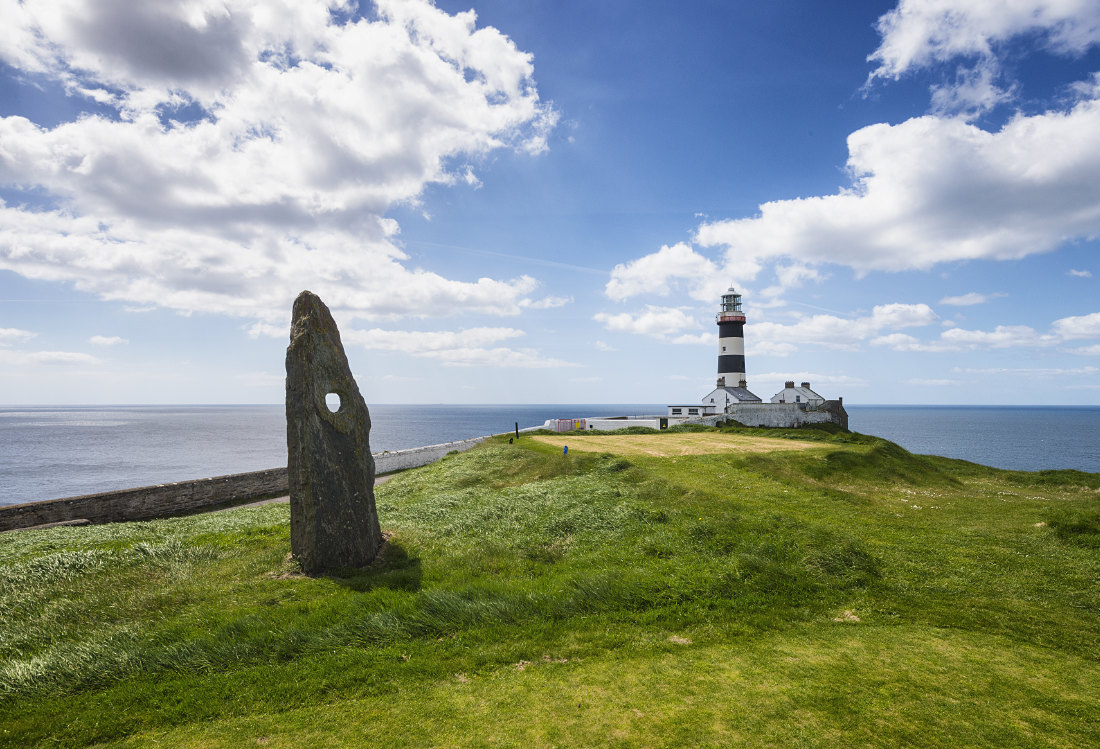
662,272
1001,337
835,332
933,190
1079,273
906,342
655,322
1076,328
103,340
927,33
918,33
254,149
973,91
8,336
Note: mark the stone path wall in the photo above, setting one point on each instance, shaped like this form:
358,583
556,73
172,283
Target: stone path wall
182,497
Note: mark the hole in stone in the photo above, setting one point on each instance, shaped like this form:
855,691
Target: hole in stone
332,400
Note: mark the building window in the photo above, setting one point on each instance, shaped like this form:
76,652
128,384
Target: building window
675,411
798,399
693,412
712,400
723,348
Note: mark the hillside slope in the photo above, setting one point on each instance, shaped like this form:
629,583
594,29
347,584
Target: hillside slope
846,592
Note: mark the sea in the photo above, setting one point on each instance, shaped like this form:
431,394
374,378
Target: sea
48,452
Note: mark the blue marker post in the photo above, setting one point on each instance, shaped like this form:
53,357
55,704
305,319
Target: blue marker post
565,451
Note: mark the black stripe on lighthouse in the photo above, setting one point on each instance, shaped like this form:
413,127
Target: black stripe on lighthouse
730,363
731,330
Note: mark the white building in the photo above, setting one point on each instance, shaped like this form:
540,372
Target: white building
800,394
718,399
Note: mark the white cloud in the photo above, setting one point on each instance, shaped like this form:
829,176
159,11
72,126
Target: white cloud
918,33
973,91
705,339
268,330
1080,273
905,342
843,333
662,272
1003,336
931,382
102,340
601,346
966,300
1074,328
8,336
549,302
308,130
932,190
656,322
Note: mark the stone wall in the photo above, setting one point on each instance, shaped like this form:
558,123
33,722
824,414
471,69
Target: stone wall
147,502
414,457
781,415
182,497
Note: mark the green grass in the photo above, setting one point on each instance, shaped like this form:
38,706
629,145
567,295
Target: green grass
852,594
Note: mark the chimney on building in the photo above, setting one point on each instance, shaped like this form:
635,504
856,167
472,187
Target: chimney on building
806,385
788,384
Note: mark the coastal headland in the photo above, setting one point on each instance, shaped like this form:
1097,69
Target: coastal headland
843,593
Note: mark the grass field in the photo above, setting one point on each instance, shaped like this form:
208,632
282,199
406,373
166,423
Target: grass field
678,589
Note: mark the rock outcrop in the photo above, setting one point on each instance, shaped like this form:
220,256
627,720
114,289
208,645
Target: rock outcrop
333,520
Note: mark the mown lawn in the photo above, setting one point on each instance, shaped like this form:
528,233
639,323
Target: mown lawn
844,593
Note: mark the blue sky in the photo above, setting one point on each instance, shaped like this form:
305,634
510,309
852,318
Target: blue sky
540,202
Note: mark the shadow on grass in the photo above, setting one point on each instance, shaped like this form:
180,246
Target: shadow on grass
394,568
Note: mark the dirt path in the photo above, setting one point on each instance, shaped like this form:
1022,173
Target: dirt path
662,445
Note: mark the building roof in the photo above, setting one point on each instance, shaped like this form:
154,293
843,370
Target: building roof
789,393
741,394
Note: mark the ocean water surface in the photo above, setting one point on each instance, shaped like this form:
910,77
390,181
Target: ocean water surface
51,452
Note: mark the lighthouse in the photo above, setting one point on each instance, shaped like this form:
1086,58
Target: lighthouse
732,386
731,341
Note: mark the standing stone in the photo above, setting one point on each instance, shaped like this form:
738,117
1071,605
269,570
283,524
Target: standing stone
333,521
